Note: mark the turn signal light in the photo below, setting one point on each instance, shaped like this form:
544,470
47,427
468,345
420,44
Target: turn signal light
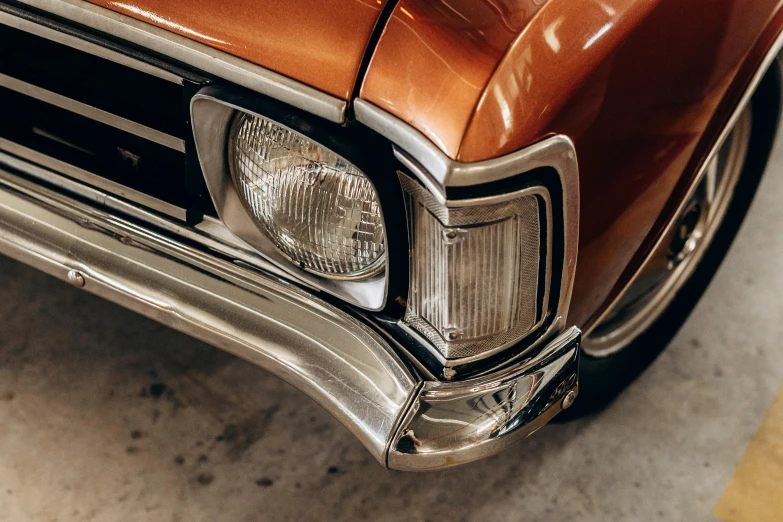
474,273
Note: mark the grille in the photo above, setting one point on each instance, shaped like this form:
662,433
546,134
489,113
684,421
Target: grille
98,113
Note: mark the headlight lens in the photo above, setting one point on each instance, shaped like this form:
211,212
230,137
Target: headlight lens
318,209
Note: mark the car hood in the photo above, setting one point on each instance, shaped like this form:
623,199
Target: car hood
318,42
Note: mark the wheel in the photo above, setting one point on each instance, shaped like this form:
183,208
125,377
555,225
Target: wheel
637,327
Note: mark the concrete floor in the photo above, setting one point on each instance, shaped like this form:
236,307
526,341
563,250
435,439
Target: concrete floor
105,415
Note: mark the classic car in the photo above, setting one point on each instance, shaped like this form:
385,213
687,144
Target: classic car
440,219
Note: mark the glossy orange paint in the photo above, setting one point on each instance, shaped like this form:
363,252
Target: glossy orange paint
662,106
543,70
641,86
317,42
436,58
637,84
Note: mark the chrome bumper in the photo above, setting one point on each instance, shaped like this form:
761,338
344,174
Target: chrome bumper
452,423
343,364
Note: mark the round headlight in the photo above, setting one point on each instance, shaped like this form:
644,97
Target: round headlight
318,209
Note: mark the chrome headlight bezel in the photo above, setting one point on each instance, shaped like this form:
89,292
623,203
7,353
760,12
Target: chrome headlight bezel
213,111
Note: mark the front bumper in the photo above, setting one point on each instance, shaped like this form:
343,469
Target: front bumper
452,423
406,422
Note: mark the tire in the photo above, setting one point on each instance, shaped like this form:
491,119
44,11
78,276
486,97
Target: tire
602,379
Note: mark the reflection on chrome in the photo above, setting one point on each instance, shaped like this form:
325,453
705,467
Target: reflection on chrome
334,358
454,423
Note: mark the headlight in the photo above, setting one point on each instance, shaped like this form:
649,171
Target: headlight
318,209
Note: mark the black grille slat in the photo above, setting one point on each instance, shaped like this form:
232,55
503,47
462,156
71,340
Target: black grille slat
114,88
118,156
96,110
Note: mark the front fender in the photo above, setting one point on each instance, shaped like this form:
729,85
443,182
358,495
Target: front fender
641,87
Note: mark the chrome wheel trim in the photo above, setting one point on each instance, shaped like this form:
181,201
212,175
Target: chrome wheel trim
679,251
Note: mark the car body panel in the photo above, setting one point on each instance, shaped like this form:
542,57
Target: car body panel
475,91
737,43
318,42
643,123
642,87
634,84
435,59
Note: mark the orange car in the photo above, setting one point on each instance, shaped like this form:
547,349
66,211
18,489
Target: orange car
440,219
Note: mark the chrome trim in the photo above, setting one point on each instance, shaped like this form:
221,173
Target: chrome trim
773,54
437,172
212,118
82,175
341,363
198,55
88,47
93,113
474,212
435,163
442,171
452,423
332,357
210,233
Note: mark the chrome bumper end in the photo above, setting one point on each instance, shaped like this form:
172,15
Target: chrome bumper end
407,423
452,423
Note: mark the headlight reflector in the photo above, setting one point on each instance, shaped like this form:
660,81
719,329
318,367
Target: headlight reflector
318,209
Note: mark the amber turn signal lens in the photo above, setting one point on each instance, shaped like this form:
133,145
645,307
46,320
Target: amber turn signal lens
318,209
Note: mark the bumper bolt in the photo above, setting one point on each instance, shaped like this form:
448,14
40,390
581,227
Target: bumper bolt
76,278
568,400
